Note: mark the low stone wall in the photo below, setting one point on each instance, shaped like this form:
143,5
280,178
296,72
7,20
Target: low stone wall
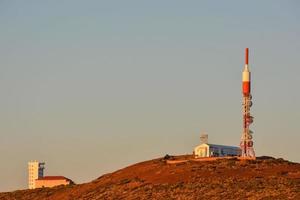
176,161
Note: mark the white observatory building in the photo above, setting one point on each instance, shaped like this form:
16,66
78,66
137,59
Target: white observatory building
214,150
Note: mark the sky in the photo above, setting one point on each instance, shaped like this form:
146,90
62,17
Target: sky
90,87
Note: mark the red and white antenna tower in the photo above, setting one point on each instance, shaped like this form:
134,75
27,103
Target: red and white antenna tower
246,140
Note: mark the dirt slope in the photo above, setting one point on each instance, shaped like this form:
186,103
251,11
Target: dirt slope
264,178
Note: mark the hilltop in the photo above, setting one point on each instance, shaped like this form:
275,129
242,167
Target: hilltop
264,178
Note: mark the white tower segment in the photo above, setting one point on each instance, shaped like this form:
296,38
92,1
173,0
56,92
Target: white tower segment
35,171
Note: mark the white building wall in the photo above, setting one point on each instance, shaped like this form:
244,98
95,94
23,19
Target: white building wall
202,151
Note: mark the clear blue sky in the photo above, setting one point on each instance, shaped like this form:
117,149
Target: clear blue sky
93,86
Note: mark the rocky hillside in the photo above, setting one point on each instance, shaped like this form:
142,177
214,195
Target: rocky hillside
264,178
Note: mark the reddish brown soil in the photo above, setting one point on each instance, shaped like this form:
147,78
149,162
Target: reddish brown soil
264,178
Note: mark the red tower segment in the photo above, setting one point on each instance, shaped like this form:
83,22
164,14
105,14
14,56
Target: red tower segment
246,87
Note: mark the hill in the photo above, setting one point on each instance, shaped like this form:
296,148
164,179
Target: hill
264,178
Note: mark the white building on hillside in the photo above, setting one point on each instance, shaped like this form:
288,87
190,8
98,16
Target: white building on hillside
35,171
213,150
